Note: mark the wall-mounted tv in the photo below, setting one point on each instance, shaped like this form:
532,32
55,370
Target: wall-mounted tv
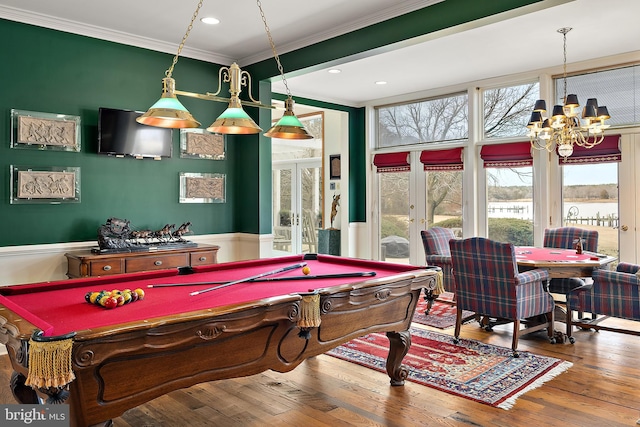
120,135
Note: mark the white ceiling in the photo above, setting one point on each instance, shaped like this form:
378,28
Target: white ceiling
516,42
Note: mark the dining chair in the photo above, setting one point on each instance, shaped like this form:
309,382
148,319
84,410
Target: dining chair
612,294
565,238
436,248
489,284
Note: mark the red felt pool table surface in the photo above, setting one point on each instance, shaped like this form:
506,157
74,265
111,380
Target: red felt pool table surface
59,307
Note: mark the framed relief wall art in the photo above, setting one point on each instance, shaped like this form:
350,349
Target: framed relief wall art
51,185
45,131
202,187
334,166
200,144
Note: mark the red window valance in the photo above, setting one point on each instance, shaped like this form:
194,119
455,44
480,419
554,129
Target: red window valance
392,162
442,160
608,151
513,155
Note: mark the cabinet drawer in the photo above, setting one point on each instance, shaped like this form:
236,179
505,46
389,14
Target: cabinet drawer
156,262
203,258
106,267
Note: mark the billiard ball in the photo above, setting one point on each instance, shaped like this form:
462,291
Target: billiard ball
111,302
306,270
140,293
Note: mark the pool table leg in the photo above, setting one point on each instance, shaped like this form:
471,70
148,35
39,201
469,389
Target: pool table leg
429,297
399,344
21,392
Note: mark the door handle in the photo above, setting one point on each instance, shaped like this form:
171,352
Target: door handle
624,228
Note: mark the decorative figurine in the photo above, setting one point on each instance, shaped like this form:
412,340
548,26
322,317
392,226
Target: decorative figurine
117,236
334,208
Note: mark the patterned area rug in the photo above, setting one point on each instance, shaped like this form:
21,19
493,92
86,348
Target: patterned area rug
481,372
442,314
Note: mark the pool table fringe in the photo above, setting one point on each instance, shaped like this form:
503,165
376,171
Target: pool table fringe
309,314
50,363
439,284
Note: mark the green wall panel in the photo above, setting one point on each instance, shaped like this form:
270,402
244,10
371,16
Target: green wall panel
56,72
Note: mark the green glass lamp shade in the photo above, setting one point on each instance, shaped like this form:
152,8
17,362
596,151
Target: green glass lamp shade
289,127
234,121
168,112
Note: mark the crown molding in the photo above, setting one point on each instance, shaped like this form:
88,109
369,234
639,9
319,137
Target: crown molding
74,27
365,21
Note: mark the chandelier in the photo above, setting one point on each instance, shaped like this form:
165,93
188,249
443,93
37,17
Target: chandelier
563,129
168,111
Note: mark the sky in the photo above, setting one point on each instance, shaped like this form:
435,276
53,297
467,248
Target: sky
600,173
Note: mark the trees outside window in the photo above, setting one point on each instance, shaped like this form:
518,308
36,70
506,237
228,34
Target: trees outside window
434,120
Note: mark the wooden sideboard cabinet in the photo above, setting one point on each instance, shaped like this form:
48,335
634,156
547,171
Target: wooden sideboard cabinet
89,264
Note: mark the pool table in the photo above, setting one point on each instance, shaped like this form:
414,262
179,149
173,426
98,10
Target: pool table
177,337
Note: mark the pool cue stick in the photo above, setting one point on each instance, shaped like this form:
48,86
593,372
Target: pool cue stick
317,276
272,279
246,279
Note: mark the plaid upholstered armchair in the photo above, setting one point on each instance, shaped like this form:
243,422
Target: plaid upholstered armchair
488,283
612,294
436,249
565,238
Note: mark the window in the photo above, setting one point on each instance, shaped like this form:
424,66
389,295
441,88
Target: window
444,188
507,109
509,192
433,120
393,170
590,192
617,89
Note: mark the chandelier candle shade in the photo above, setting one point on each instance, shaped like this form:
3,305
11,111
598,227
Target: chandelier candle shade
168,111
563,128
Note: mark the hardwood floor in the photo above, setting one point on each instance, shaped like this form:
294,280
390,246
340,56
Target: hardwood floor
601,389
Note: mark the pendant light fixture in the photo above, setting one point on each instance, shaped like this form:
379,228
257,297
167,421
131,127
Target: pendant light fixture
563,129
168,111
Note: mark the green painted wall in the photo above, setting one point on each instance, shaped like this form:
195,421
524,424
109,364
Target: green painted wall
55,72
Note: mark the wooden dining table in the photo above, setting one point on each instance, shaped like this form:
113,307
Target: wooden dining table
560,263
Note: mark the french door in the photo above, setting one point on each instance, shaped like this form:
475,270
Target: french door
297,201
402,214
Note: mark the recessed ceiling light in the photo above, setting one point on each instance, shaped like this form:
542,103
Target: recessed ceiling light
335,71
381,82
210,20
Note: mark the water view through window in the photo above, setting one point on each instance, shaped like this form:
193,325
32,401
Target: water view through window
590,200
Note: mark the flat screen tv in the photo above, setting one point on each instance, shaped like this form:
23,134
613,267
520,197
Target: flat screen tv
120,135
